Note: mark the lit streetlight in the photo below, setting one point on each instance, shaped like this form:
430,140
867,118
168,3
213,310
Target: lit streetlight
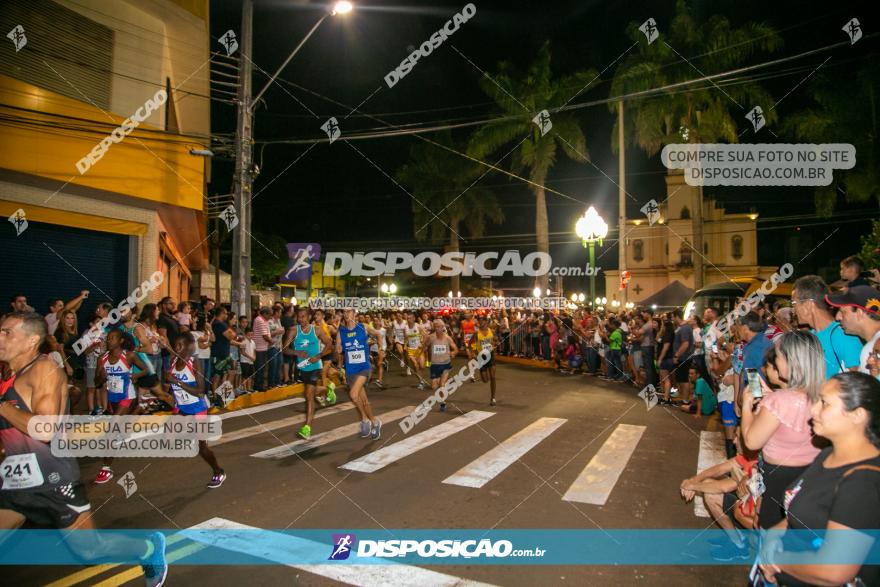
536,292
591,229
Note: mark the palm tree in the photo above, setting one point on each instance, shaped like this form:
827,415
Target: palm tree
520,96
446,201
852,114
710,114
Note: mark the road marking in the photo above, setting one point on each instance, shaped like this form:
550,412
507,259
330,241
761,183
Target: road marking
598,478
385,456
263,408
488,466
93,571
135,572
279,548
711,453
276,424
320,439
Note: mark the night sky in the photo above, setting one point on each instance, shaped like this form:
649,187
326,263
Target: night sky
334,195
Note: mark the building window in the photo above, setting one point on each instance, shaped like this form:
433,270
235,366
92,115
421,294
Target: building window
687,259
736,246
705,248
638,251
685,213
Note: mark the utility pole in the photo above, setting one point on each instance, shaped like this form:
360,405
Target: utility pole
621,198
240,290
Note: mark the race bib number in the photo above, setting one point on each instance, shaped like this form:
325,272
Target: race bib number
486,344
440,349
183,398
358,356
303,364
21,472
115,385
414,343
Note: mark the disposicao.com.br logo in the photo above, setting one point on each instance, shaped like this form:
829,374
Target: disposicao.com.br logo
344,545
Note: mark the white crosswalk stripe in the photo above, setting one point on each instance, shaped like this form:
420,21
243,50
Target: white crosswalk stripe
385,456
711,454
292,448
289,422
491,464
597,480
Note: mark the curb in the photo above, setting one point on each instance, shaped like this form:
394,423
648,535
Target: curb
265,397
525,362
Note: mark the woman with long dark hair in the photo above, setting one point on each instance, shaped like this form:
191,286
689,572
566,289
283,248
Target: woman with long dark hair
839,491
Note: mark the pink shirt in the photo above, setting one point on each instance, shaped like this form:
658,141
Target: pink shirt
791,444
261,327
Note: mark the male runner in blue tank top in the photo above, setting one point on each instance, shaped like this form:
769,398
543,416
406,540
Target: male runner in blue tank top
307,345
35,485
352,346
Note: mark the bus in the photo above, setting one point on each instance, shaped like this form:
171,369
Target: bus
724,295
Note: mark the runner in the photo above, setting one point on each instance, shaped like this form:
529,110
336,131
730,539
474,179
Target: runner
414,354
351,345
399,329
187,384
467,332
485,339
440,348
311,344
119,371
36,485
379,348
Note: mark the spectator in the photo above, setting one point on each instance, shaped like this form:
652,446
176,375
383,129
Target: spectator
223,338
57,307
288,322
682,352
276,332
664,357
780,428
169,329
841,349
752,331
873,363
97,403
248,357
839,491
726,492
704,403
203,351
851,270
262,340
858,311
18,303
150,319
615,342
184,317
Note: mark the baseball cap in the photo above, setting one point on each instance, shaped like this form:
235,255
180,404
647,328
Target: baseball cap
864,297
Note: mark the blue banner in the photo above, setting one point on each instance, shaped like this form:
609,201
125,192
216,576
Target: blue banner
219,542
299,264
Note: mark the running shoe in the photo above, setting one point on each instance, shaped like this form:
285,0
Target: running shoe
730,552
421,385
365,428
104,475
156,567
305,432
402,364
331,393
442,407
408,372
217,479
492,402
376,430
379,384
321,401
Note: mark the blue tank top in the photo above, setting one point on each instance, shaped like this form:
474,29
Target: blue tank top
142,356
311,345
355,348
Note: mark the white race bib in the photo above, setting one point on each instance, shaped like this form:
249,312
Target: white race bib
414,342
183,398
115,385
440,349
486,344
21,472
358,356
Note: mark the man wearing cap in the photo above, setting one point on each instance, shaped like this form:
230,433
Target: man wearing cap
858,311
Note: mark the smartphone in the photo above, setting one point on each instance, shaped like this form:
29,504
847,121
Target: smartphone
754,383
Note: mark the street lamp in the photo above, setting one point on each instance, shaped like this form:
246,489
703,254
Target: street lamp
243,179
581,298
604,301
591,229
536,292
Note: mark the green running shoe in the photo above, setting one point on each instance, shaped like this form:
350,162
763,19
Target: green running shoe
305,432
331,393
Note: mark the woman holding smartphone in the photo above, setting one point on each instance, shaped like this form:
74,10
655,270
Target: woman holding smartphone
779,424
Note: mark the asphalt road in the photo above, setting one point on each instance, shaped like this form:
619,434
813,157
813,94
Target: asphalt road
310,490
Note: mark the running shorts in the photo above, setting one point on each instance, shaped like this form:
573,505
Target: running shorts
52,506
728,414
310,377
413,352
489,363
438,369
147,382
